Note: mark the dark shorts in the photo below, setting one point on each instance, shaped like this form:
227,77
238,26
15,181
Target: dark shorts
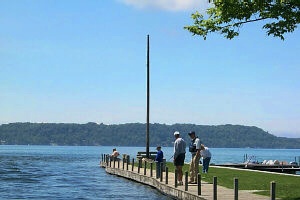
179,161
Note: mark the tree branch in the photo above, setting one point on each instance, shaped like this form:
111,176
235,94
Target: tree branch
244,22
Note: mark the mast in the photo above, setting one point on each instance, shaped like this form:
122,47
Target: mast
148,99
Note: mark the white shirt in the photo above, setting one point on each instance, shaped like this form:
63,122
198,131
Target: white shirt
205,153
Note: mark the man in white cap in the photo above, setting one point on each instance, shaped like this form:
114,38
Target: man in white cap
179,155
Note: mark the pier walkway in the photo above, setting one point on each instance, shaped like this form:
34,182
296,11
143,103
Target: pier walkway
208,191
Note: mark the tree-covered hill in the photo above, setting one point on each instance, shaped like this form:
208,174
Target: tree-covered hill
133,134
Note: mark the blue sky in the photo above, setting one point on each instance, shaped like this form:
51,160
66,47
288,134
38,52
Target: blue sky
85,61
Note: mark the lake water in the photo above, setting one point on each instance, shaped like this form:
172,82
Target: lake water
73,172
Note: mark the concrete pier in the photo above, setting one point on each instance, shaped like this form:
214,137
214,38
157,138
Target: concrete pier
179,192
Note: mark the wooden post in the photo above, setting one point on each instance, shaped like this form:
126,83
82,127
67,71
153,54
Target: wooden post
114,163
132,164
236,188
109,162
118,164
123,163
176,174
215,188
273,192
199,183
127,163
151,169
145,167
186,181
167,175
139,166
161,172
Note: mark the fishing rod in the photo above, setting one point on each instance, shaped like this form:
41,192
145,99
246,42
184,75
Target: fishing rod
170,158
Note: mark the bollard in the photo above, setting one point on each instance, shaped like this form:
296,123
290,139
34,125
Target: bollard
272,190
123,163
110,162
167,175
145,167
151,169
215,188
107,160
186,181
114,163
127,164
176,178
161,172
236,188
139,166
199,183
118,164
128,159
132,166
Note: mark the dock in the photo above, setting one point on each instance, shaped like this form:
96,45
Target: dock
166,184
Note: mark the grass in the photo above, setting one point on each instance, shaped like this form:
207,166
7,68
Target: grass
287,187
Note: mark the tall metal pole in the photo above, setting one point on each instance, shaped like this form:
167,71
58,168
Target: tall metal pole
148,98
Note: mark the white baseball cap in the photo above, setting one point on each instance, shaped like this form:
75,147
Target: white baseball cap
176,133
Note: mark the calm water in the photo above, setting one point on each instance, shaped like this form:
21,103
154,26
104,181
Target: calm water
56,172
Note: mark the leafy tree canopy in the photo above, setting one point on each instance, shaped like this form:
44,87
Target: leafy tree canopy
227,17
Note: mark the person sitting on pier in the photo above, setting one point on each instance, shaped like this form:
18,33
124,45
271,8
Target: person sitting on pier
205,153
115,154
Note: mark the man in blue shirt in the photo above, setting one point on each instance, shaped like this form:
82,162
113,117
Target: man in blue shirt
158,159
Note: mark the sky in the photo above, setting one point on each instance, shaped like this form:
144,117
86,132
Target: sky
78,61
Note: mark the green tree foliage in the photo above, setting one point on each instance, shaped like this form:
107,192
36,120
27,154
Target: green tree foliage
227,17
134,134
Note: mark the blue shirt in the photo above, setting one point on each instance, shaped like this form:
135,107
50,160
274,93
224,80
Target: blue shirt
159,156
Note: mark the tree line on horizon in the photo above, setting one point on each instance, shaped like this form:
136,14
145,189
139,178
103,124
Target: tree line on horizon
134,134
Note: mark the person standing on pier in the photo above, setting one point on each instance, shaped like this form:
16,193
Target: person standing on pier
159,159
194,148
179,155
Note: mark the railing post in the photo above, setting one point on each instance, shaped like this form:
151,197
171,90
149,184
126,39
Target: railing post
273,192
132,164
145,167
161,172
110,162
176,174
151,169
139,166
236,188
123,163
167,175
107,160
186,181
118,163
127,164
114,163
199,183
127,159
215,180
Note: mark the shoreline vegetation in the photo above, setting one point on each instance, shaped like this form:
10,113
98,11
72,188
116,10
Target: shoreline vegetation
133,134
